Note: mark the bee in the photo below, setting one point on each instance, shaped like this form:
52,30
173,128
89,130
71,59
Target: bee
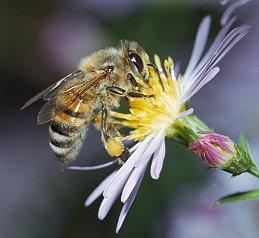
87,95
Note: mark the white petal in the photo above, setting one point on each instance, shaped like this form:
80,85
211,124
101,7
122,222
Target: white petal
126,169
99,190
213,48
157,162
223,2
151,148
223,47
199,45
185,113
95,167
175,71
134,147
211,74
135,176
127,205
107,202
231,10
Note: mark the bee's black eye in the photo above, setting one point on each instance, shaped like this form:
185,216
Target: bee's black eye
137,61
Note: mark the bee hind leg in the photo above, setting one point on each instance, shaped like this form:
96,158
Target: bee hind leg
111,137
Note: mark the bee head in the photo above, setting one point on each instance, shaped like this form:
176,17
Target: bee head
136,58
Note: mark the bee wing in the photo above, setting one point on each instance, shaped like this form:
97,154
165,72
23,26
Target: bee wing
51,108
52,89
63,99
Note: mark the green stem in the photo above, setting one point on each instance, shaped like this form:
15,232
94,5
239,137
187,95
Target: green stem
254,171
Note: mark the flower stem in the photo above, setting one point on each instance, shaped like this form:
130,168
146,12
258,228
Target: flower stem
254,171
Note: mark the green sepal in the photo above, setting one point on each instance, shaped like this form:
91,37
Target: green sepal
187,130
243,161
243,196
240,163
243,143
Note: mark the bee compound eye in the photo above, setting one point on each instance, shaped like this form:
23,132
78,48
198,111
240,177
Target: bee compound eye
136,60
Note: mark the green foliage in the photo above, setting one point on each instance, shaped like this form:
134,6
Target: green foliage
244,196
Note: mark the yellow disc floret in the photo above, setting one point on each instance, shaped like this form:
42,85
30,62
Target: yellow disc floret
151,114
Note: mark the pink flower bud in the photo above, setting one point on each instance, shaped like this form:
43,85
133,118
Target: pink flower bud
214,149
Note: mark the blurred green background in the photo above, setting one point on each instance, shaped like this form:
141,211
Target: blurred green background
41,41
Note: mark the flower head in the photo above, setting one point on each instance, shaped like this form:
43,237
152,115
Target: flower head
219,151
169,93
155,117
214,149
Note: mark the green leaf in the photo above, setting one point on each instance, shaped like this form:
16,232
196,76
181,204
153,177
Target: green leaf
244,143
244,196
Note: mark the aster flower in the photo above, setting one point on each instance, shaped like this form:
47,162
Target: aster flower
157,117
154,118
165,114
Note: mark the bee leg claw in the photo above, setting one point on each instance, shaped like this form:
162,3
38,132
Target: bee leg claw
124,156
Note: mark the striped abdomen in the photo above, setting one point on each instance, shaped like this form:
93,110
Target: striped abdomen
67,130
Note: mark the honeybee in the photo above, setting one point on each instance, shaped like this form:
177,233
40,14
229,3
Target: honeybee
90,92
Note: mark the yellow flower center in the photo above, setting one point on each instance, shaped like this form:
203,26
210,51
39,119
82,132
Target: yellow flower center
158,111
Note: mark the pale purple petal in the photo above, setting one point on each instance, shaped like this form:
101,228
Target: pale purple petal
126,169
199,45
223,47
151,148
135,176
223,2
185,113
99,190
213,48
134,147
211,74
157,162
231,10
230,41
128,204
95,167
176,70
109,201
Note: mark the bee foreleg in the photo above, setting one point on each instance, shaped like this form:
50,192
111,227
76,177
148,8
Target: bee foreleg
121,92
138,95
117,90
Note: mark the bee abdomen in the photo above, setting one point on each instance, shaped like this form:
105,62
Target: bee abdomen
66,140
